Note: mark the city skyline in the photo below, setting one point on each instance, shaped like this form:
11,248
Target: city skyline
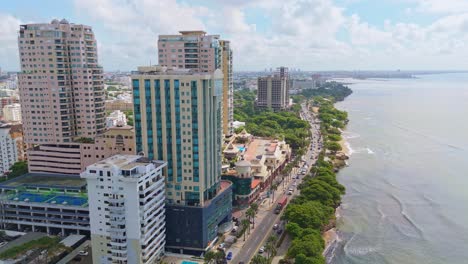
316,34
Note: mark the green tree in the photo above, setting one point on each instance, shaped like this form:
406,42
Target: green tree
254,207
17,169
259,259
311,245
309,214
270,247
245,224
293,229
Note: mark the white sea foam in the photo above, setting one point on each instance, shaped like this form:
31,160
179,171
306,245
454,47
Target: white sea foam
350,149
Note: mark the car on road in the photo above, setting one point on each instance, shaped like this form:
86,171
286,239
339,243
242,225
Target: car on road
222,247
279,231
229,255
275,226
83,253
261,250
290,193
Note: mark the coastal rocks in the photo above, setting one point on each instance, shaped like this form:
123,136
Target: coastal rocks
341,155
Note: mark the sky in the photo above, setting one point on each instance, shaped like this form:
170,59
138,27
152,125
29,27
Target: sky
306,34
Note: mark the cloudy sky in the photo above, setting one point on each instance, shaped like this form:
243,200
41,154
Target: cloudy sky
306,34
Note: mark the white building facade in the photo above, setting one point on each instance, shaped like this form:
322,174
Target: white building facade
116,118
126,204
12,112
8,150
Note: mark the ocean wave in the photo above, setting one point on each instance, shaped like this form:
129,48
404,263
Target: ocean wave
407,218
350,149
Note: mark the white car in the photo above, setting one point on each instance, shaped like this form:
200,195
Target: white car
83,253
261,250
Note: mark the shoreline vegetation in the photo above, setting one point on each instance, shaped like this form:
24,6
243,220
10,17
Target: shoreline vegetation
311,216
312,213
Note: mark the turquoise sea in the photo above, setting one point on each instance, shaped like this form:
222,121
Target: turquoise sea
407,179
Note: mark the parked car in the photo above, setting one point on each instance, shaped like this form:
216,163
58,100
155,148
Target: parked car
83,253
290,193
3,243
261,250
229,255
279,231
222,246
275,226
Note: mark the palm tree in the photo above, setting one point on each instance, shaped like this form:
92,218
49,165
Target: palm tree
245,224
273,188
251,214
254,207
209,256
270,246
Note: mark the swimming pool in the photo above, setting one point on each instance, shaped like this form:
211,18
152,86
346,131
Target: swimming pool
241,149
189,262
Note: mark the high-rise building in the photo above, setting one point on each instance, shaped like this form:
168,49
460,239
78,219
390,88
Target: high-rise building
12,112
273,91
61,84
61,93
178,118
8,149
200,52
126,209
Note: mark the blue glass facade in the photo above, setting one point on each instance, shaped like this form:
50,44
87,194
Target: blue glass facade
137,115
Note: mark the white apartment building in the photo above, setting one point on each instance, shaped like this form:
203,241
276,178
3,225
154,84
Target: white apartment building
126,207
12,112
8,149
116,118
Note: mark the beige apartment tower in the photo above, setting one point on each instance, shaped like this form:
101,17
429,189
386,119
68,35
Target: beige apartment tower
61,92
203,53
273,91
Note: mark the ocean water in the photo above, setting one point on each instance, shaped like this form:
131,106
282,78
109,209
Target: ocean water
407,179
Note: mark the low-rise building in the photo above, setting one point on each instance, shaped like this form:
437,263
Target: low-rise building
127,209
260,162
73,158
53,204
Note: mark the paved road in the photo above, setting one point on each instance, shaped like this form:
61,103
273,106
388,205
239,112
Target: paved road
264,228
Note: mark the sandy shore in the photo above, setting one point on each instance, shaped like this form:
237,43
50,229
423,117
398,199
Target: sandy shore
329,237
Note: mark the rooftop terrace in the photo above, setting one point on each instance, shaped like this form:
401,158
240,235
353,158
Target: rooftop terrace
44,180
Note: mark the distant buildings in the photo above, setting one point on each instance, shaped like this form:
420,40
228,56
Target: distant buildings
12,113
273,91
16,133
200,52
8,149
126,207
119,104
178,118
4,101
116,118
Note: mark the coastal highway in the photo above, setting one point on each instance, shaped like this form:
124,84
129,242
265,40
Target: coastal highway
264,228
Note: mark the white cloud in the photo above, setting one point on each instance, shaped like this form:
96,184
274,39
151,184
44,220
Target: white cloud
9,42
442,6
310,34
